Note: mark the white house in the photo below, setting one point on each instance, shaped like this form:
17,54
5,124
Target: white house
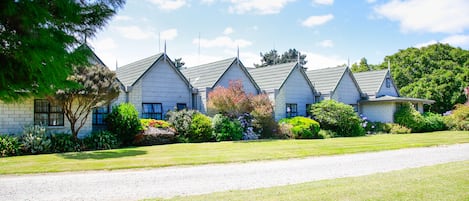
40,111
208,76
383,97
288,88
154,86
337,83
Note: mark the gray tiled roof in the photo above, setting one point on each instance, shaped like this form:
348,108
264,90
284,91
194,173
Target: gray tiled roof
130,73
370,81
398,99
325,80
207,75
272,77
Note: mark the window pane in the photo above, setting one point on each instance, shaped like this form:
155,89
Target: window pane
147,108
157,108
41,119
56,119
55,108
41,106
181,106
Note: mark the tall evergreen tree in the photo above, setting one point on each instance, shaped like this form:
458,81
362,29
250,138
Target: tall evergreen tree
39,40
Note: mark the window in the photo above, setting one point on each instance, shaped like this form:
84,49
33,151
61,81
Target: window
308,110
99,114
46,113
388,82
152,111
292,110
181,106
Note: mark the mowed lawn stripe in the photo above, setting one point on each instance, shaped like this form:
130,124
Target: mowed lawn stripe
223,152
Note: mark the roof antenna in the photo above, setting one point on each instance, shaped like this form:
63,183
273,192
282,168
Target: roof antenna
237,56
164,50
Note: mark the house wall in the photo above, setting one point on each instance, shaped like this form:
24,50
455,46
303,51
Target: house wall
202,97
347,92
295,90
233,73
14,116
383,90
161,84
379,111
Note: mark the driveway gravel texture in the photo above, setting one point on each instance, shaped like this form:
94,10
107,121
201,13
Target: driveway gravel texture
189,180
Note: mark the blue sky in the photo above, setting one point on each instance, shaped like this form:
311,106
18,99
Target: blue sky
329,32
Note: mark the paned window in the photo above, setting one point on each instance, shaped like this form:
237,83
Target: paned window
99,114
47,114
152,111
181,106
292,110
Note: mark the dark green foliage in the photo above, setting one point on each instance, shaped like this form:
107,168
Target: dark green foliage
398,129
123,121
459,118
377,127
226,129
337,117
407,116
272,57
9,146
39,40
363,66
200,129
35,140
181,120
64,142
433,122
303,127
438,72
101,140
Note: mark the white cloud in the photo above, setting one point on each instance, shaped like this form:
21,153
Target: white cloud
370,1
228,31
326,43
313,21
448,16
207,2
169,4
454,40
261,7
123,18
169,34
105,44
222,41
195,59
134,32
323,2
317,61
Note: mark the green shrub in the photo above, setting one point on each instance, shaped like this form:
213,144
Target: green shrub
64,142
181,120
35,140
398,129
324,134
226,129
123,121
377,127
459,118
433,122
9,146
263,116
407,116
337,117
155,132
303,127
200,129
101,140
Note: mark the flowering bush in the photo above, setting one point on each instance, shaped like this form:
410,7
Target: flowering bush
35,140
246,123
231,102
263,121
145,123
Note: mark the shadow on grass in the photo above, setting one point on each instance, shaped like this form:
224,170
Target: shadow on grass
103,154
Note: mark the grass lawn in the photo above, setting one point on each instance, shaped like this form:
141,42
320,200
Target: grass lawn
224,152
440,182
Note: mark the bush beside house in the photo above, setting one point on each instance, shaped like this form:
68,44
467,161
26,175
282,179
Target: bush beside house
338,117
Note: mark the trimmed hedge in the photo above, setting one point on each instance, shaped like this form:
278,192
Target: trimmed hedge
303,127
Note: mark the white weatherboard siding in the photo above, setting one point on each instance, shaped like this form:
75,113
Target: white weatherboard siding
346,91
14,116
162,84
389,91
379,111
135,96
296,90
234,73
202,97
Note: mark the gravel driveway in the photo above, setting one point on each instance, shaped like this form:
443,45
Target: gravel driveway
172,181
